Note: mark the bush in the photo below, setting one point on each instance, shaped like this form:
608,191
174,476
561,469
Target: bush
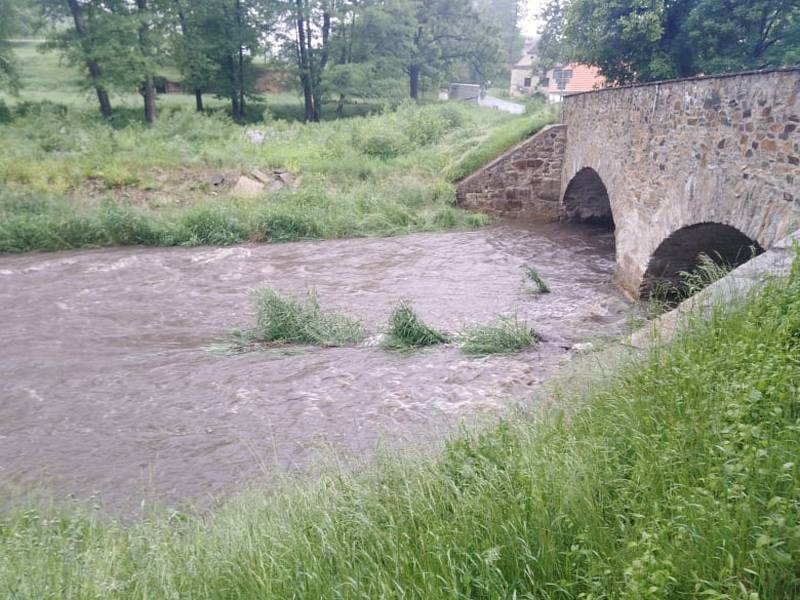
382,144
5,113
422,125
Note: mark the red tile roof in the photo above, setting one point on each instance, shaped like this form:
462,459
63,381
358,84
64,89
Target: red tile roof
584,79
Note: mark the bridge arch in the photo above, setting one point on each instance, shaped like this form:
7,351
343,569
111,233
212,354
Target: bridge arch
586,199
680,251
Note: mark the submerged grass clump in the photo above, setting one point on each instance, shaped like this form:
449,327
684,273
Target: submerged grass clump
288,319
407,331
533,275
504,337
674,477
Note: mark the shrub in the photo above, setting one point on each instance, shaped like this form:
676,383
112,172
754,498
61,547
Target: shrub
507,336
287,319
381,144
5,113
422,125
407,331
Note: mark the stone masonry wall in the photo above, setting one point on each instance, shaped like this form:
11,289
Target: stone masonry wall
674,154
523,182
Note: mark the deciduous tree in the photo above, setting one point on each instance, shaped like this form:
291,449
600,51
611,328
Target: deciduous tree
9,78
646,40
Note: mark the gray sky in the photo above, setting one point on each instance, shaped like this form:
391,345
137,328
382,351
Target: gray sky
531,23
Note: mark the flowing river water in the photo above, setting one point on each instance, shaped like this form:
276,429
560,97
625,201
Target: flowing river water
112,386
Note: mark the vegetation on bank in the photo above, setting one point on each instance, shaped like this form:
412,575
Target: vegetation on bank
70,180
674,476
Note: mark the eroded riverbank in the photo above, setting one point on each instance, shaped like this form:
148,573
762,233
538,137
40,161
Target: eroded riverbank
111,387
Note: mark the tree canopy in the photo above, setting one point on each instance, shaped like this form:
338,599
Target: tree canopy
646,40
9,78
335,48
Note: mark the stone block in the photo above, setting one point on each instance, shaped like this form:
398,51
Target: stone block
248,188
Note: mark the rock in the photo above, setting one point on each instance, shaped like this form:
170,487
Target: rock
217,180
585,347
261,176
248,188
276,186
254,136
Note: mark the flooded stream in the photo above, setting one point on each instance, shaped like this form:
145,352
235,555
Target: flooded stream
110,385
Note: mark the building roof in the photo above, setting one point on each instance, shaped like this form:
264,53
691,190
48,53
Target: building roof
584,78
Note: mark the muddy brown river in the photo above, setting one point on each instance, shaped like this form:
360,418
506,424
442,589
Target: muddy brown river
113,385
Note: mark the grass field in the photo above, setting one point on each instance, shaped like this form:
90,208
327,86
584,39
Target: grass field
675,476
70,180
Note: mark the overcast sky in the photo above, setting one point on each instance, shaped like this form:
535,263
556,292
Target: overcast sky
531,22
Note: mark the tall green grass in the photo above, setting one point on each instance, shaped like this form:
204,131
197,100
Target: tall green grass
675,476
407,331
288,319
666,294
30,222
506,336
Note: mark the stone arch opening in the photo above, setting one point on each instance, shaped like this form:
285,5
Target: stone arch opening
586,199
681,251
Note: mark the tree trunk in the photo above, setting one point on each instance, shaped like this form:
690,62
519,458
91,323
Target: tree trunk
320,68
198,100
149,86
94,69
312,73
413,76
235,107
236,111
240,77
302,62
105,102
340,107
149,93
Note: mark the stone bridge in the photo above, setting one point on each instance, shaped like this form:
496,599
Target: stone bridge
704,165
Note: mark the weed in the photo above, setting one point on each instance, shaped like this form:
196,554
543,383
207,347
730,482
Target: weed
504,337
287,319
407,331
665,294
533,275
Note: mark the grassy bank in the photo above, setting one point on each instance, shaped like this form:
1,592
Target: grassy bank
70,180
674,477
